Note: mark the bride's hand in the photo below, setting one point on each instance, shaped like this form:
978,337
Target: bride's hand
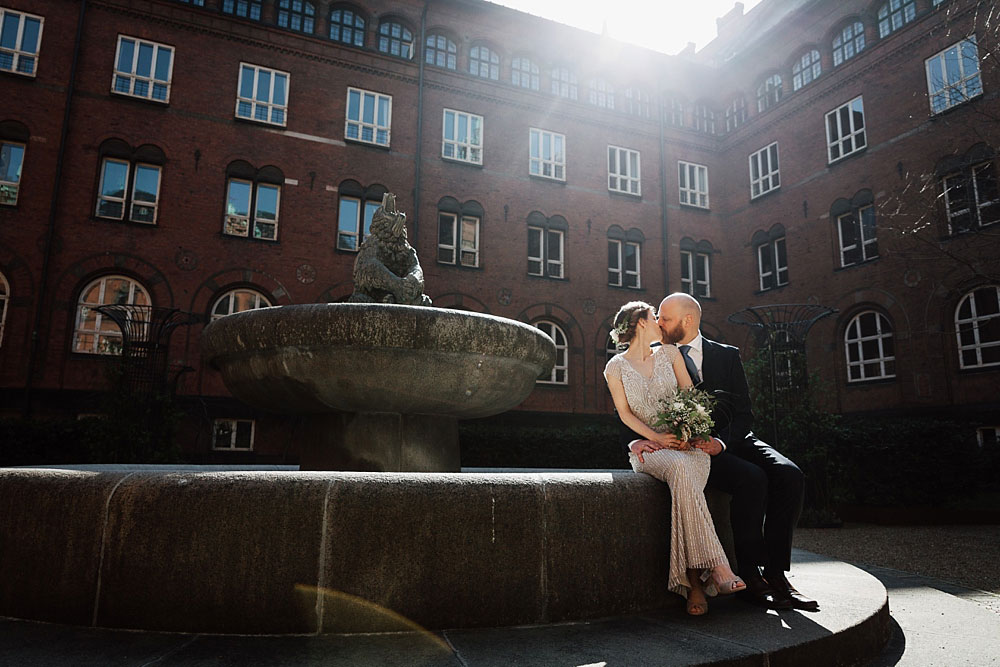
670,441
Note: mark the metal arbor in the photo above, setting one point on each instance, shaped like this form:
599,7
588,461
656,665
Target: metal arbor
781,329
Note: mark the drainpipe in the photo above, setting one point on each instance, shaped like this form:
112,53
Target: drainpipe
663,200
50,231
420,123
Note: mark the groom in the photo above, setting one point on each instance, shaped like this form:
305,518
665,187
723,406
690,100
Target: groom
766,487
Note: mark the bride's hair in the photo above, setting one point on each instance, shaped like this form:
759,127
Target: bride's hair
626,321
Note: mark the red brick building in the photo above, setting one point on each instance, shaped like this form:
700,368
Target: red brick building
216,155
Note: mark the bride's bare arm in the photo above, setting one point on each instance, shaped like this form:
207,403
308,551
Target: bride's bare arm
681,371
668,440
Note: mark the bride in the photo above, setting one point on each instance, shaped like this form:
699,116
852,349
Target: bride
638,378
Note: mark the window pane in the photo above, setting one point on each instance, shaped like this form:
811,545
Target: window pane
163,63
238,201
115,176
144,65
267,202
126,55
147,180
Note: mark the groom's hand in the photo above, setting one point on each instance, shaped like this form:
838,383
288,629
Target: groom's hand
712,446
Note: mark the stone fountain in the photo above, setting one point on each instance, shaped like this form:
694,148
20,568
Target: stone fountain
379,383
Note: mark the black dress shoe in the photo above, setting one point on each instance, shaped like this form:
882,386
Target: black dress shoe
760,593
786,593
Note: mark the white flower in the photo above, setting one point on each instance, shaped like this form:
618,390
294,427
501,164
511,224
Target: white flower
677,405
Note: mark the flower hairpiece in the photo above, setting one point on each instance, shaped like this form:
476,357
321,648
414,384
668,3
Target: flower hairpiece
619,331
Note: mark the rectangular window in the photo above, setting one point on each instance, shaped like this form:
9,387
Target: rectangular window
623,264
764,171
772,262
114,194
545,252
692,180
20,37
238,196
143,69
547,154
462,137
265,222
354,222
242,198
248,9
971,198
145,193
369,117
623,171
845,130
695,273
953,75
11,159
263,94
988,436
857,236
461,241
233,434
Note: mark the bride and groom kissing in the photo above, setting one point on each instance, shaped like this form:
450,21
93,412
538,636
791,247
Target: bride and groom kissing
766,487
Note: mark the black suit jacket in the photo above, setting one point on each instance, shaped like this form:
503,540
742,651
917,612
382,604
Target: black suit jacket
722,374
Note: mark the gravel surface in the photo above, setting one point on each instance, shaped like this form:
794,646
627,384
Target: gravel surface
964,555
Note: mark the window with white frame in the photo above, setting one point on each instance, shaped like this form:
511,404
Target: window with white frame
143,69
395,39
736,113
354,221
263,94
869,347
623,170
11,159
235,435
441,52
462,137
601,93
347,26
977,323
953,75
369,117
970,197
94,333
692,181
894,14
484,63
559,373
546,154
806,69
772,258
849,42
704,118
524,73
769,92
988,436
20,39
297,15
696,274
238,300
246,201
624,263
248,9
128,186
675,112
564,83
845,130
764,171
856,232
458,239
4,300
635,102
546,246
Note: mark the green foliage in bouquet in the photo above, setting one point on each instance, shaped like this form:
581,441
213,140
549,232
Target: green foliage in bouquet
687,414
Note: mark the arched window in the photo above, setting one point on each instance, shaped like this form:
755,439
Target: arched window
252,199
129,185
977,323
4,300
624,257
635,102
772,257
238,300
696,267
894,14
347,27
297,15
704,118
601,93
970,191
94,333
524,73
674,109
354,217
564,83
441,52
806,69
395,39
559,374
547,245
484,63
610,348
769,92
13,141
458,232
868,344
248,9
736,112
849,42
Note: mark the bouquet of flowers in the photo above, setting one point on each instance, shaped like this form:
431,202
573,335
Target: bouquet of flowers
687,414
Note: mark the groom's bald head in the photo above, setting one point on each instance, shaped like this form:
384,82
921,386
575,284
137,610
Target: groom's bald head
679,318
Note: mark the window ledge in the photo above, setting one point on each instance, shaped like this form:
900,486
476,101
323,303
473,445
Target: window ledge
466,267
848,157
641,288
262,123
872,382
695,207
465,163
633,196
122,221
855,265
146,100
535,276
547,179
769,290
977,370
369,144
764,194
248,238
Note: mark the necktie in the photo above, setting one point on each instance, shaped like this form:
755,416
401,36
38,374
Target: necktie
691,366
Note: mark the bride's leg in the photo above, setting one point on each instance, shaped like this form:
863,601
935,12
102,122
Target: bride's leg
697,605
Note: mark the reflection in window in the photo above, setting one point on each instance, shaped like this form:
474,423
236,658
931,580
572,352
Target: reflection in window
94,333
977,323
869,346
238,300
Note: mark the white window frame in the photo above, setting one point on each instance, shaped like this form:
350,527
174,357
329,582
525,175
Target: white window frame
19,56
547,154
229,299
560,370
440,51
691,284
769,181
360,125
778,271
232,221
564,82
845,49
973,324
620,275
10,190
968,85
601,93
704,119
467,148
155,204
484,68
363,222
736,113
981,435
133,79
974,205
399,45
853,337
105,341
622,162
127,200
548,267
806,69
101,197
692,184
248,9
524,73
269,107
849,138
769,92
458,252
867,242
233,431
894,14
